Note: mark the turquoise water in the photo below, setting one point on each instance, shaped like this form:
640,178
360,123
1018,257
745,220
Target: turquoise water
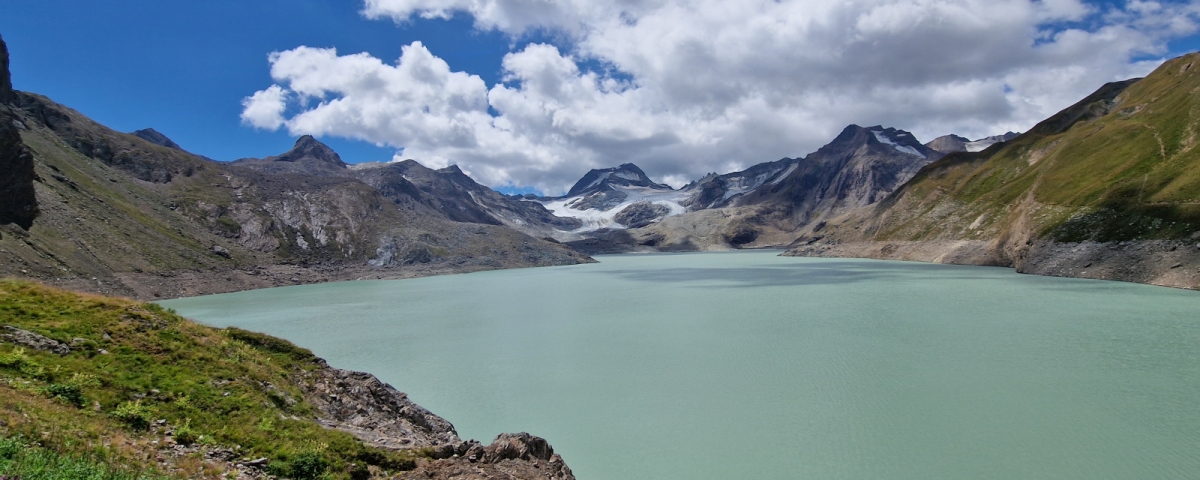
748,365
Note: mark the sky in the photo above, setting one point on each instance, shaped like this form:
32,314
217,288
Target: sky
528,95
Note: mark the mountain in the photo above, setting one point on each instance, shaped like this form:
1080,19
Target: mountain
97,210
985,142
616,197
307,156
457,196
949,144
766,204
955,143
1107,188
153,136
858,167
718,191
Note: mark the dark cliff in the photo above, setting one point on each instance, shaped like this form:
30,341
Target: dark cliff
18,202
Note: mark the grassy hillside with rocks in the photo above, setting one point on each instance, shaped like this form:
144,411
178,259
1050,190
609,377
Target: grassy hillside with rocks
126,389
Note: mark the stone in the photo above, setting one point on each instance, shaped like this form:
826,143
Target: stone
32,340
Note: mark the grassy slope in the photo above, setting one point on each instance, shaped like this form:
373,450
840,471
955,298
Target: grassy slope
134,362
1130,173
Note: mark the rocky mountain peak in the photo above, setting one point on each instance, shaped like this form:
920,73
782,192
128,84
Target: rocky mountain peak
949,143
854,136
154,136
625,175
310,150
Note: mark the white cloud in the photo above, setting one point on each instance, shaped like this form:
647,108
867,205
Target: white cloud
265,108
712,85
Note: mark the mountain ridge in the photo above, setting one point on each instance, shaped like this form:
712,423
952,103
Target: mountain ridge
117,214
1104,189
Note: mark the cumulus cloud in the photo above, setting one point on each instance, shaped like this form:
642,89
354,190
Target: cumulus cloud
265,108
687,87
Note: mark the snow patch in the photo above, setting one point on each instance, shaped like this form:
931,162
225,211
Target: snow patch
595,219
901,148
628,176
980,145
791,168
603,176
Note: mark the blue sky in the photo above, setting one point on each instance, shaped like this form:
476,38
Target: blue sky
184,67
681,88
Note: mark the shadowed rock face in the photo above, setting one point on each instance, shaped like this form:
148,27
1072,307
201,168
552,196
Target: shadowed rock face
6,90
153,136
627,175
641,214
859,167
18,203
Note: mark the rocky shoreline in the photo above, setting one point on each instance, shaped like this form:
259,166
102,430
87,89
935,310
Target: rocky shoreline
376,413
1164,263
190,283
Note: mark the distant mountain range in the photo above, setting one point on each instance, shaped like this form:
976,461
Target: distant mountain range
135,214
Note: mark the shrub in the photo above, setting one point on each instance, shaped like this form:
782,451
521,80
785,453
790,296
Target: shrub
134,414
307,465
66,391
10,447
184,434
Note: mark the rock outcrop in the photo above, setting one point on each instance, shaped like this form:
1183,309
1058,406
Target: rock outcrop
381,416
32,340
509,456
373,411
18,201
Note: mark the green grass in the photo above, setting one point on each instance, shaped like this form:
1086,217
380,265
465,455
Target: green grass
1131,174
23,460
136,371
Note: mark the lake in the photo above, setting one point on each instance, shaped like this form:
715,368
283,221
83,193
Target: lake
750,365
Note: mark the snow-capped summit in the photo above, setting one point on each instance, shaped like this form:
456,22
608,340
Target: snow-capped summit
626,175
600,199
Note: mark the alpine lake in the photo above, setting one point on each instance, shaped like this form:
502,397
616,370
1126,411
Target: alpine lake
747,365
